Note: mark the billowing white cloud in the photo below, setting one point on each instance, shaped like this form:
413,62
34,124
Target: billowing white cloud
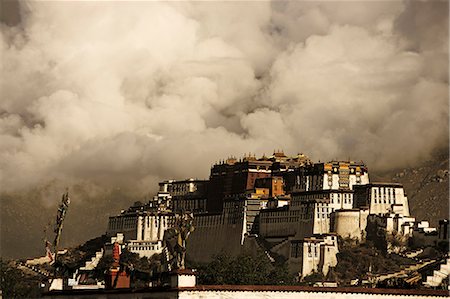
129,93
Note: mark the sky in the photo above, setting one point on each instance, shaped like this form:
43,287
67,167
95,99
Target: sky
109,94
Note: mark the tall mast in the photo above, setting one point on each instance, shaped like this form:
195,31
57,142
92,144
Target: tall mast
62,210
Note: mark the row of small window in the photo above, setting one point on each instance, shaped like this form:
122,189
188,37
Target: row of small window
141,248
324,209
276,214
158,221
346,197
346,200
280,220
311,180
383,191
312,251
309,196
323,215
302,211
189,204
388,201
178,187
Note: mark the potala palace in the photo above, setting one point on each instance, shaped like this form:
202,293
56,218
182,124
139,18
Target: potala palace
287,206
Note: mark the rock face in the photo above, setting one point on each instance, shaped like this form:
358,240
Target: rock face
427,187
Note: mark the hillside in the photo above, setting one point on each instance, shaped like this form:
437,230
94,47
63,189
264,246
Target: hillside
25,217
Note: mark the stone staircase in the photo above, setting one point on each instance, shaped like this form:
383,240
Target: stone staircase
264,249
89,265
35,269
92,264
38,261
167,258
271,259
438,275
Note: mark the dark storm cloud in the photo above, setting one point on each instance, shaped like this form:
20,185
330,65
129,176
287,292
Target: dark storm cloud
10,12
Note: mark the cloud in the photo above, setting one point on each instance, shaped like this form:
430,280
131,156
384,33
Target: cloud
356,98
128,93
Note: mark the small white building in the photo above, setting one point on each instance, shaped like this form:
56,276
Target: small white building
315,254
142,228
425,227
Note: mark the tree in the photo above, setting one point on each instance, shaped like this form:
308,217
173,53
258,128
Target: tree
16,284
354,261
396,242
442,246
103,266
244,269
129,258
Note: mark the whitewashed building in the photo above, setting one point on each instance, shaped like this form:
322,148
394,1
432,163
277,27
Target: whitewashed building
316,254
382,198
142,228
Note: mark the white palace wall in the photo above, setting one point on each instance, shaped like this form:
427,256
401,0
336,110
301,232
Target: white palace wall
254,292
287,295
